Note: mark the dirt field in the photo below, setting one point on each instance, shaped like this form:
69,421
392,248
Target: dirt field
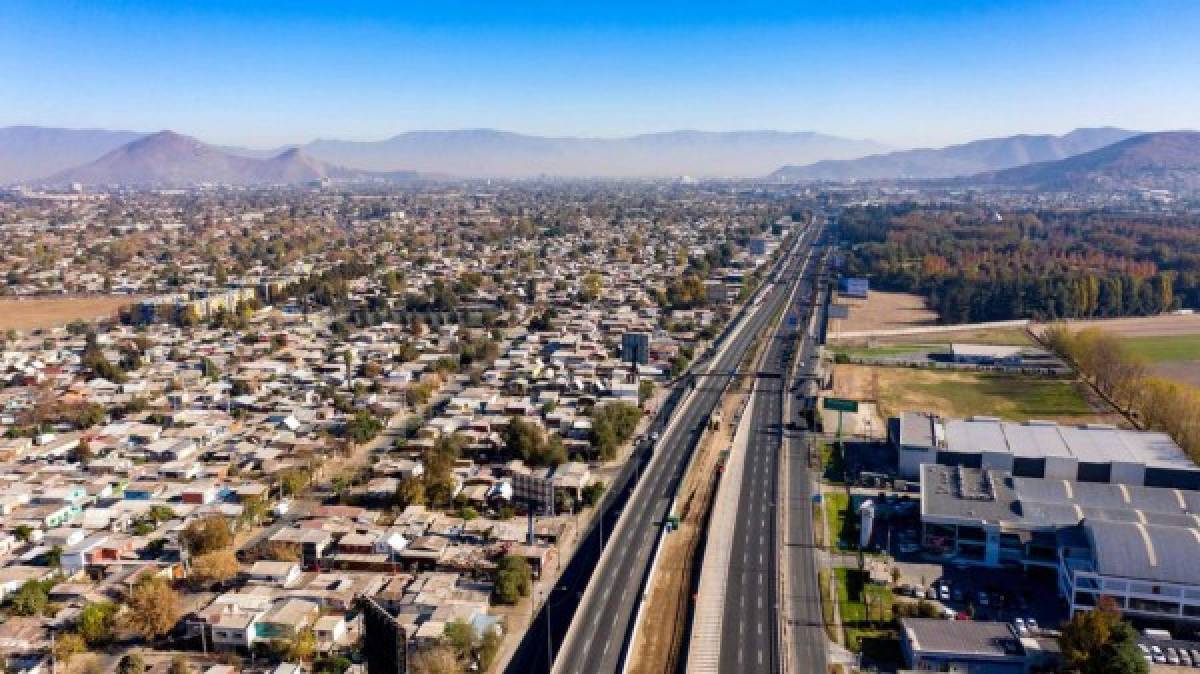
32,314
1148,326
884,311
1005,336
964,394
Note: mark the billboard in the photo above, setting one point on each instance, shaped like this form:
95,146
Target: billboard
538,491
854,287
635,348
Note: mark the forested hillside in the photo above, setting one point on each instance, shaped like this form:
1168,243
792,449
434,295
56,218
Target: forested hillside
973,264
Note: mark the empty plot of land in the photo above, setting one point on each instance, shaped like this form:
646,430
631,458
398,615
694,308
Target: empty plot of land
884,311
1171,356
964,394
34,313
1144,326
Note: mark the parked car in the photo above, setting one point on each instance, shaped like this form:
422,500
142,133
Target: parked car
1172,656
1195,658
1022,630
1032,623
1145,651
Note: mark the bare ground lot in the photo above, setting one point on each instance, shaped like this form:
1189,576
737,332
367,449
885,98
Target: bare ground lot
884,311
1143,326
40,313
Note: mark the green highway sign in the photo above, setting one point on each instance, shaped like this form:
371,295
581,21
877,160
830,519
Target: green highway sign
840,405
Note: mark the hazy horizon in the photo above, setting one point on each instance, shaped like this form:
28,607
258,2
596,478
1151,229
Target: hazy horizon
906,75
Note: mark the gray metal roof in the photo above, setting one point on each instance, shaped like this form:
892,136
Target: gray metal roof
965,637
1146,551
1039,503
1039,439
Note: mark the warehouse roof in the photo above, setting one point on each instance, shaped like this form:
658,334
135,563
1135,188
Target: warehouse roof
1093,443
996,496
1146,551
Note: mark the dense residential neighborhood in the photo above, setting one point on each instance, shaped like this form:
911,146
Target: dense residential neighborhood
312,396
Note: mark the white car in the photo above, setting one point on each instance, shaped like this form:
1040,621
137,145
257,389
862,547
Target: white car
1172,656
1022,630
1032,623
282,507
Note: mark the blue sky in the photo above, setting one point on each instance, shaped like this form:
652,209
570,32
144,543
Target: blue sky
904,72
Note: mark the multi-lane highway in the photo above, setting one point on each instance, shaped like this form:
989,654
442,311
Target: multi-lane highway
806,642
600,624
750,635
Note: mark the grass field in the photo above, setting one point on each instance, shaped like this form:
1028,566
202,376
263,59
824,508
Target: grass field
866,634
1165,347
843,527
964,394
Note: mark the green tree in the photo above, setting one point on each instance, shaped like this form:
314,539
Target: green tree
363,427
513,580
1099,642
96,622
30,599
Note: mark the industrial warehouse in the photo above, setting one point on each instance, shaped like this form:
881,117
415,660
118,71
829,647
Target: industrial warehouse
1042,449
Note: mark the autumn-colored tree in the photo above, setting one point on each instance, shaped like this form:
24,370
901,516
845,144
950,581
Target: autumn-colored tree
439,659
214,567
153,607
206,535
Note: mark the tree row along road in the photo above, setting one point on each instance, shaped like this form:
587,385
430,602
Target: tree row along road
599,628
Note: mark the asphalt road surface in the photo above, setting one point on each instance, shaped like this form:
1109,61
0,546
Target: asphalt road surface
600,629
807,642
750,624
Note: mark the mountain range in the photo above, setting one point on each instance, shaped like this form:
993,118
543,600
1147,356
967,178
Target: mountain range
29,152
33,154
170,159
956,160
491,153
1167,160
1099,158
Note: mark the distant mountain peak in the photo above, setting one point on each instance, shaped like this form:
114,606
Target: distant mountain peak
1167,160
957,160
168,158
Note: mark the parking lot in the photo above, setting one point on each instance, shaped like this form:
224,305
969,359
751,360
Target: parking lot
1003,594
